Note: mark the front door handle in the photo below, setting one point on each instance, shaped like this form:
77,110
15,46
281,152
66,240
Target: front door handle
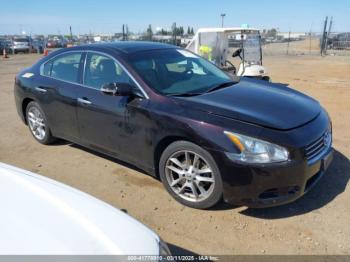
41,90
84,101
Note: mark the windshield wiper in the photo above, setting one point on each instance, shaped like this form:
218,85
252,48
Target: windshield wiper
213,88
221,85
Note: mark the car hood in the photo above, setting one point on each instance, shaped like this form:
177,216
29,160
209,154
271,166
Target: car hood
258,102
43,217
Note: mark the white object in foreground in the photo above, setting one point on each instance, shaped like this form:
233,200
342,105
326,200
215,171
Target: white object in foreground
42,216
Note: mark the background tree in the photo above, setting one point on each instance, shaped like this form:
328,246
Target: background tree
271,33
149,33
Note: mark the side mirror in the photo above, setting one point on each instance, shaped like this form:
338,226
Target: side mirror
117,89
124,89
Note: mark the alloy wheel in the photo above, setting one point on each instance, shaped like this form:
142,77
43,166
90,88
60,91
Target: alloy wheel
36,123
190,176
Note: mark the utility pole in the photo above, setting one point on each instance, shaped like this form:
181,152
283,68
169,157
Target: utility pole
123,32
324,35
310,35
127,32
174,33
222,19
328,35
70,32
288,42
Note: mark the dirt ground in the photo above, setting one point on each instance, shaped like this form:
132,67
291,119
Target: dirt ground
318,223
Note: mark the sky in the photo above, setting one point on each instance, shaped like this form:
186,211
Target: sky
107,16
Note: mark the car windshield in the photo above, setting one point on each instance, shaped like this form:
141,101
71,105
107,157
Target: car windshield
178,72
252,48
20,40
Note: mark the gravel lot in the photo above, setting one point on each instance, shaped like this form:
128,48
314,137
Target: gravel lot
318,223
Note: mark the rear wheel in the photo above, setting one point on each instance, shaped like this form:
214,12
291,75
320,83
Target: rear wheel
37,124
190,175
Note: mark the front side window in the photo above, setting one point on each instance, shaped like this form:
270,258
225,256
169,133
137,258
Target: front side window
101,70
176,71
65,67
46,69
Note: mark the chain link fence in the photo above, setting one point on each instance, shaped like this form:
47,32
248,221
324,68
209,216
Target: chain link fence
308,46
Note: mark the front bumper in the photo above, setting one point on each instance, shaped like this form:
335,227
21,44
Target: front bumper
270,184
20,48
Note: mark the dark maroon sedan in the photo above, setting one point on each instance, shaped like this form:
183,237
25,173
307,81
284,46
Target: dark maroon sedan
206,134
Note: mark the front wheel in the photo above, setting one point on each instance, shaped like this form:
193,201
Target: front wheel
190,175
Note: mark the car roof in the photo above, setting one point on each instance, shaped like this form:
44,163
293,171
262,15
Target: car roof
130,47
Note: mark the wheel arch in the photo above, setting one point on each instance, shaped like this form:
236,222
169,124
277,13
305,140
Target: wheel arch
162,145
25,103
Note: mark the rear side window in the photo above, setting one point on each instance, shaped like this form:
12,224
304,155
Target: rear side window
65,67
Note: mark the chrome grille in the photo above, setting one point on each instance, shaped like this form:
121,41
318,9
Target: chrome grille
320,145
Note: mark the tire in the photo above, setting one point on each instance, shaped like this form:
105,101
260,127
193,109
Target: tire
36,120
194,164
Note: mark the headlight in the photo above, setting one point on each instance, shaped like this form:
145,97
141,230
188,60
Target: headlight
254,150
163,249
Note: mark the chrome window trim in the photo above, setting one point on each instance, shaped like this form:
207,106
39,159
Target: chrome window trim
82,84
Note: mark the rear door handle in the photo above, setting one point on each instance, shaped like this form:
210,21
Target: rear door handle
41,90
84,101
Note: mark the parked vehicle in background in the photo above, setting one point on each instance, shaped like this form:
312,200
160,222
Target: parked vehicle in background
21,44
40,216
56,42
208,135
51,43
5,44
38,45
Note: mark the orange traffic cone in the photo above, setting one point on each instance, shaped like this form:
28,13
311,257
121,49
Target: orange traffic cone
4,54
46,52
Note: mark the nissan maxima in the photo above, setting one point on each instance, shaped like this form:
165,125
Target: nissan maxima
206,134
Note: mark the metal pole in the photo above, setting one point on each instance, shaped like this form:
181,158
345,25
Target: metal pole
328,35
288,42
310,39
127,33
243,56
71,35
324,35
222,19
